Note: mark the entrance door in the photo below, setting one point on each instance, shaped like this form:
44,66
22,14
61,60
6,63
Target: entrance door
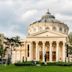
53,56
40,56
47,56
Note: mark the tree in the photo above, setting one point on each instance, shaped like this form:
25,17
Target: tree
69,45
12,43
1,51
70,38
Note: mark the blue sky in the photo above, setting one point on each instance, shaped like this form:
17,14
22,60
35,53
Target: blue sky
16,15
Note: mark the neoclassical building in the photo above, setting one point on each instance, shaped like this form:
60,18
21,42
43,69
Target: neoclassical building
45,41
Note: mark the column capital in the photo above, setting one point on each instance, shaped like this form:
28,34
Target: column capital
50,42
64,52
57,41
50,51
57,51
36,50
64,42
37,42
43,42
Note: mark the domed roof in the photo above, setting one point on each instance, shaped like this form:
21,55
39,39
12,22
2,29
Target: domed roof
48,22
48,17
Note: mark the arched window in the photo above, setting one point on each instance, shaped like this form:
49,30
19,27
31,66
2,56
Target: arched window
54,44
65,30
60,29
54,28
40,28
34,29
28,50
47,28
60,44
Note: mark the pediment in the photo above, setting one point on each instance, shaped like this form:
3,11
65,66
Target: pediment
49,34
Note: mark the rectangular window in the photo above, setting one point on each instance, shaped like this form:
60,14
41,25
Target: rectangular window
28,50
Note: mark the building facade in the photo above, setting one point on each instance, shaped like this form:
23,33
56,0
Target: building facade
1,42
45,41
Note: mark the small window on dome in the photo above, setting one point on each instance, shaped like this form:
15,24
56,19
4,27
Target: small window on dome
28,50
45,20
60,29
54,28
47,28
65,30
40,28
34,29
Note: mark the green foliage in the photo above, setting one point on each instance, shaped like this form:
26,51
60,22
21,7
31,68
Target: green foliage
31,63
56,64
59,64
14,41
1,50
26,63
70,38
69,50
12,68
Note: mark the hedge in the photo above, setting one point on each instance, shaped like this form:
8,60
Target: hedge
57,64
35,63
28,63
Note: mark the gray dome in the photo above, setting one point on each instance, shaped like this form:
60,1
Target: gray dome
49,18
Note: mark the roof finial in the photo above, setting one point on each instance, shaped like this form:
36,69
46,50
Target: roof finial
48,11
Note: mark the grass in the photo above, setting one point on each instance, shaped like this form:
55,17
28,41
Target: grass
12,68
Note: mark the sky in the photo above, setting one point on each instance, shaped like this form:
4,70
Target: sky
17,15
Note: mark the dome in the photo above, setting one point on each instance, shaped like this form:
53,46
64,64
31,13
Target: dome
48,22
48,17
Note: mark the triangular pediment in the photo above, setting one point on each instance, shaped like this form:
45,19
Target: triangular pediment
49,34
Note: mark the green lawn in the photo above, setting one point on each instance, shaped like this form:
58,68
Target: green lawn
12,68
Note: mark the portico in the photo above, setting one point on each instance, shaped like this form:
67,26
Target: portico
47,51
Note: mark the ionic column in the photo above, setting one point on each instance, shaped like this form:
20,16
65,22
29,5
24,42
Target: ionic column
50,55
64,52
43,51
57,51
30,51
36,51
26,52
15,55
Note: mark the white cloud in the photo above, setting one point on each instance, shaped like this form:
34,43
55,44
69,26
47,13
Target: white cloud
63,17
7,2
16,15
28,14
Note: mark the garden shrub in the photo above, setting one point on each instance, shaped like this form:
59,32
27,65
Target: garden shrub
35,63
27,63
